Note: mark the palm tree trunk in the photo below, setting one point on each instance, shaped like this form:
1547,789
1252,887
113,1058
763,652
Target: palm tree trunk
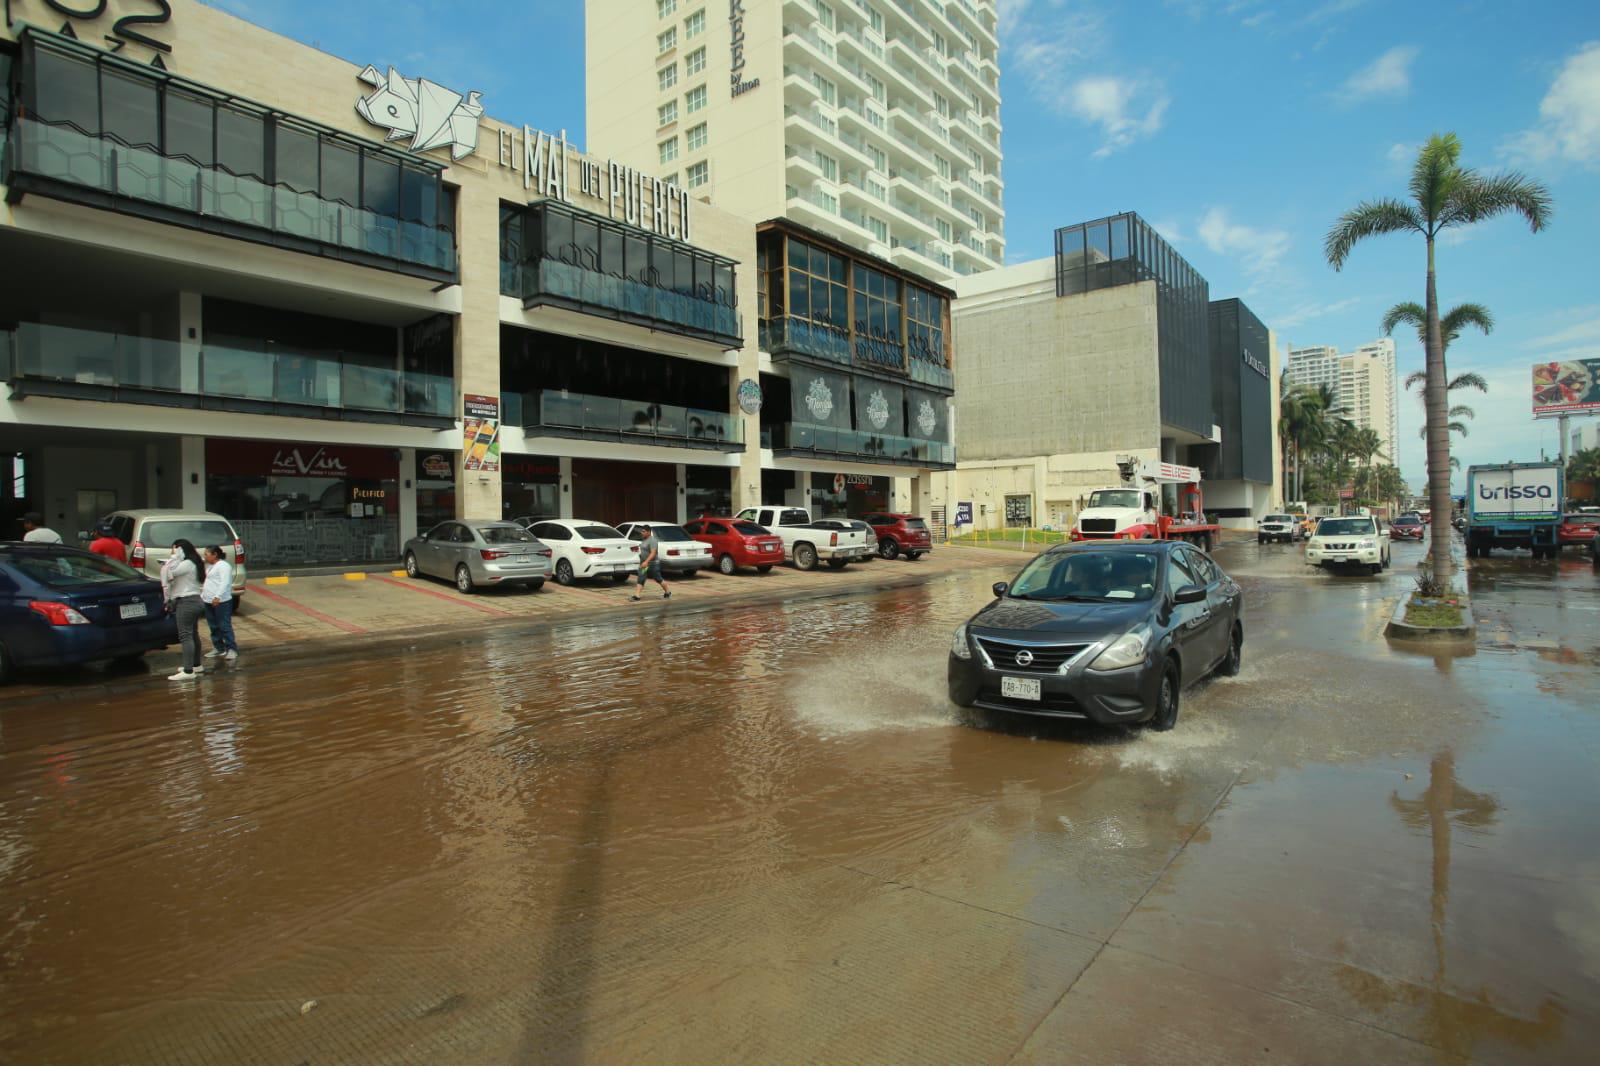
1437,403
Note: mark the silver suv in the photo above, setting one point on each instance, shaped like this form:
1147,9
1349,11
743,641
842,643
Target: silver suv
149,534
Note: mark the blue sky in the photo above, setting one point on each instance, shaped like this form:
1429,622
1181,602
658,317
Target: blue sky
1239,128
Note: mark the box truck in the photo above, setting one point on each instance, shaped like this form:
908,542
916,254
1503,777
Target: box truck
1514,505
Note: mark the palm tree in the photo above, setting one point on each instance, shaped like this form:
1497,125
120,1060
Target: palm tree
1451,323
1444,195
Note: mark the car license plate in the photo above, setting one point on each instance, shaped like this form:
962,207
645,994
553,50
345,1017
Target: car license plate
134,610
1019,688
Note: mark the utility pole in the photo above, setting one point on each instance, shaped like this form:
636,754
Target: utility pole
1566,444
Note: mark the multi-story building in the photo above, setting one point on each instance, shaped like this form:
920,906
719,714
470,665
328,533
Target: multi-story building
1363,383
337,303
875,122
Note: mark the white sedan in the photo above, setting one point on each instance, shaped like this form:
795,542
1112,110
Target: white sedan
587,549
1355,542
680,553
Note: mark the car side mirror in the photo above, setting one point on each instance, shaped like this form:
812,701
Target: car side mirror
1190,594
1000,588
422,536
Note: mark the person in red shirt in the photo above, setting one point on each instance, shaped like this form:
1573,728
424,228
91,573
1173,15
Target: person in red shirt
106,544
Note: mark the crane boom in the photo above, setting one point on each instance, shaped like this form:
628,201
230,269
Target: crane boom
1133,468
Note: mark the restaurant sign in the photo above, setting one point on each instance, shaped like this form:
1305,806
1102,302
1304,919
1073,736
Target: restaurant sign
622,193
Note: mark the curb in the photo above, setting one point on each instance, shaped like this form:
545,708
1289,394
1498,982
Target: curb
1399,628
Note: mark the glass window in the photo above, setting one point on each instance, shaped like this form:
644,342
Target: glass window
824,15
925,324
341,172
128,107
1070,260
66,90
380,185
695,24
667,113
665,8
295,158
611,258
1088,575
505,535
1178,574
586,243
637,251
667,41
241,142
698,174
696,138
667,76
695,98
668,149
558,235
190,127
695,61
70,572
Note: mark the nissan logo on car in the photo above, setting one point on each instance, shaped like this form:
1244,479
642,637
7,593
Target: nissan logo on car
1024,657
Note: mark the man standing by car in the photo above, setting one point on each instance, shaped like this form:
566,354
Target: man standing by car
650,564
105,543
217,596
34,531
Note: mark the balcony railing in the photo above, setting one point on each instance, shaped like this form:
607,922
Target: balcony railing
214,197
89,363
781,336
858,444
926,373
551,280
561,413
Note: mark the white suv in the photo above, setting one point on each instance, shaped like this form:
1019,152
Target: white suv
1277,527
1361,541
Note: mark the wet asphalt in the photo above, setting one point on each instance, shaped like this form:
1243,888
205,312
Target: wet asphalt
763,834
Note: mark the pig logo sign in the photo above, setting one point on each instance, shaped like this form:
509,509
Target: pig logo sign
431,115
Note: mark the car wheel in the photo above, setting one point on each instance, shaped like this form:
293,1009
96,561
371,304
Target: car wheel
411,565
1260,539
889,548
1167,698
764,569
464,580
914,556
1375,569
726,564
1235,657
838,564
563,572
805,557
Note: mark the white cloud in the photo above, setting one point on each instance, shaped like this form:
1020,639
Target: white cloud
1260,250
1302,313
1569,114
1583,335
1049,43
1388,75
1401,155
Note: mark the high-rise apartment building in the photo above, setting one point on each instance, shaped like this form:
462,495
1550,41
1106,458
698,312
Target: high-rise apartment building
875,122
1363,382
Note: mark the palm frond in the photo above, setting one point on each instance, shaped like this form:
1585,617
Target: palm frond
1461,410
1468,380
1370,218
1477,198
1407,313
1416,377
1434,175
1461,316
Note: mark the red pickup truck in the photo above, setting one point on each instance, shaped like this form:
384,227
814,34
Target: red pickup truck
899,534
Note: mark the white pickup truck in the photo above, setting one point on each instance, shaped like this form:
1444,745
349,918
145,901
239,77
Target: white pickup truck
805,543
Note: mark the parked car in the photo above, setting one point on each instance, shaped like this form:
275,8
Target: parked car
1406,527
149,534
1577,529
1353,542
479,555
1109,631
584,548
680,553
1276,527
735,543
853,525
62,606
806,542
899,534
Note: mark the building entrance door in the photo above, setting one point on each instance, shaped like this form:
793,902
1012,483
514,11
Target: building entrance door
93,505
614,492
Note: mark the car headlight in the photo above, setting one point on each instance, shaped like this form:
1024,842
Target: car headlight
1369,544
1127,650
959,646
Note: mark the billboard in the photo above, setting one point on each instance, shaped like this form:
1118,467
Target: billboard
1566,387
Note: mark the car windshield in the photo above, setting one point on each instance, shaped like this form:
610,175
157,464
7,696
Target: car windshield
750,529
1088,575
70,571
1277,518
598,533
196,531
1344,527
1114,498
916,523
1407,520
505,535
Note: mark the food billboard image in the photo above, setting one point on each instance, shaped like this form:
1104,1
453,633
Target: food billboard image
1565,387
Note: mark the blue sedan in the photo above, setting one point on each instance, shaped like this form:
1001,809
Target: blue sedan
61,606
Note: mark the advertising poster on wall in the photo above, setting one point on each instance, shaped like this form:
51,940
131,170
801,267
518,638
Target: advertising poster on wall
480,433
1566,388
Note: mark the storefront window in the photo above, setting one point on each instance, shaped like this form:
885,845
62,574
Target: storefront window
436,488
708,490
849,495
530,487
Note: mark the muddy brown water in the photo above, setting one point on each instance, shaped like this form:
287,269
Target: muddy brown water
763,834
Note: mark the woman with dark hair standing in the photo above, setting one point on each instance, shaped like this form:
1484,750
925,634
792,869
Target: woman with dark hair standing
180,585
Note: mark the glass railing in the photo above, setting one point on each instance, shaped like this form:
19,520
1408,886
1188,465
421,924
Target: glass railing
826,440
63,153
69,355
551,277
889,355
926,373
804,337
613,417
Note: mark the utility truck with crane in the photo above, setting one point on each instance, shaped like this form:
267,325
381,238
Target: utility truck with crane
1132,510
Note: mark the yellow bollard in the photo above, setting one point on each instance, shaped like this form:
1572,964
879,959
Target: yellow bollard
284,580
357,576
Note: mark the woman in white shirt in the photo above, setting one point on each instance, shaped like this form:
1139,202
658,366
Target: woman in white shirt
217,596
180,585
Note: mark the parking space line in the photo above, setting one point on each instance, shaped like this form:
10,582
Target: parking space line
436,594
309,612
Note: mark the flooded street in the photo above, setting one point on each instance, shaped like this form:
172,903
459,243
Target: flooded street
763,834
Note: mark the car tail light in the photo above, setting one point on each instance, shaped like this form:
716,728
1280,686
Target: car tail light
58,614
672,551
136,558
546,552
634,548
833,540
238,552
490,554
596,551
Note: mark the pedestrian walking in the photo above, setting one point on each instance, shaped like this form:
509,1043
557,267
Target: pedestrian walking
106,543
650,564
34,531
217,596
180,586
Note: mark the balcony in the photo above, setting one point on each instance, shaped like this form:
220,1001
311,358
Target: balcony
933,374
800,440
798,336
80,364
552,282
558,413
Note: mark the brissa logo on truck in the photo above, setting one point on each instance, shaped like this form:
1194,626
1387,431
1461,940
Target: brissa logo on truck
1516,492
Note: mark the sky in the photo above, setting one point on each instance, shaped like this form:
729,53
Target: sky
1240,129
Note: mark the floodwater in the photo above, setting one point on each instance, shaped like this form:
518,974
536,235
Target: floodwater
763,834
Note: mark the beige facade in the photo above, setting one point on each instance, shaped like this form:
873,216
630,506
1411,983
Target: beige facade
875,122
1364,382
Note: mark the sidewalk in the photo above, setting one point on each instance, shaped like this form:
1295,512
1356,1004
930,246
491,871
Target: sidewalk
326,616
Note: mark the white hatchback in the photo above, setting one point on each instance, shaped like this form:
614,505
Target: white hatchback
586,549
1355,542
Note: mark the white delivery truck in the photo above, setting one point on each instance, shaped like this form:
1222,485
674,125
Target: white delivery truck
1515,505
